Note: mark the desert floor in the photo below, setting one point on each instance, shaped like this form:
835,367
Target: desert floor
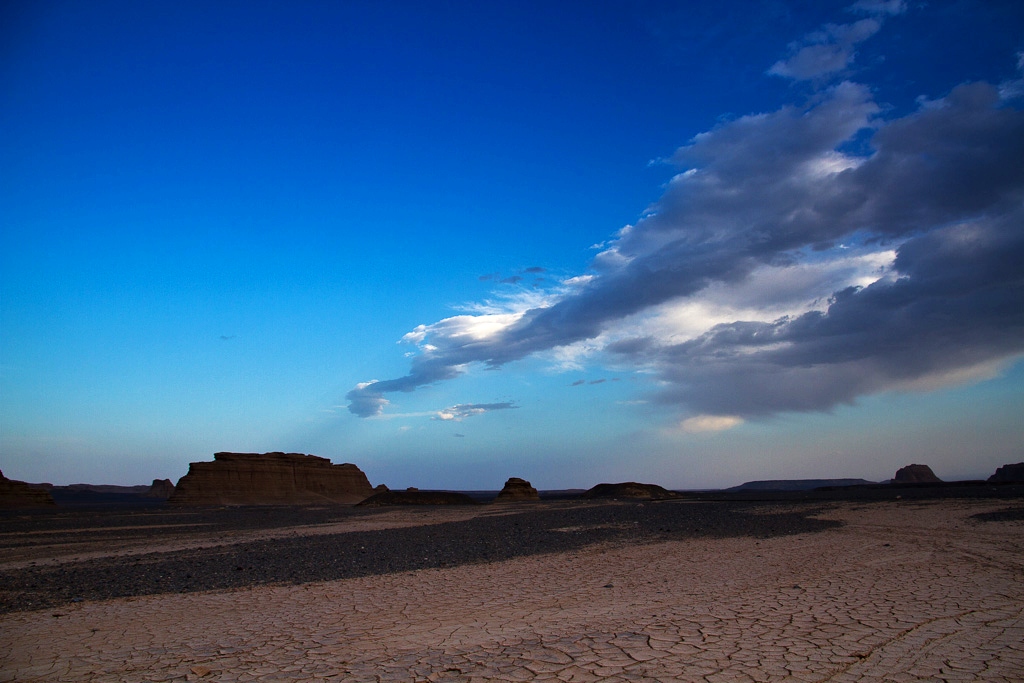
901,591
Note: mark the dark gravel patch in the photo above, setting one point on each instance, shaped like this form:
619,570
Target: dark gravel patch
386,498
337,556
949,490
1004,515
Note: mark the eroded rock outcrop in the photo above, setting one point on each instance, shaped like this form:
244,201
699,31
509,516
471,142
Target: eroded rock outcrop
18,494
915,474
160,488
517,489
630,489
1012,472
270,479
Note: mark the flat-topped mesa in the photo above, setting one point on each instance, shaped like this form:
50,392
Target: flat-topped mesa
1011,473
270,479
18,494
630,489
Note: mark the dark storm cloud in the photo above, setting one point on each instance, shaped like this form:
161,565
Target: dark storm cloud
944,186
958,304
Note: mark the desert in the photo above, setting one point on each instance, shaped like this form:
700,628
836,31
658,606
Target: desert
449,340
922,584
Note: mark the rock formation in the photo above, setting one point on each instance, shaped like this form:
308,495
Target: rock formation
18,494
915,474
270,479
630,489
160,488
1014,472
516,489
414,496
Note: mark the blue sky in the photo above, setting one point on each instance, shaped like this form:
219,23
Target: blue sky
455,242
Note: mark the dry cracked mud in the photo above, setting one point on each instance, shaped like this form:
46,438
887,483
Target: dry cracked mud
899,592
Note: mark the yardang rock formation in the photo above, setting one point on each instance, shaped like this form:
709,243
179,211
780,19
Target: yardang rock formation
161,488
630,489
516,489
270,479
1012,472
915,474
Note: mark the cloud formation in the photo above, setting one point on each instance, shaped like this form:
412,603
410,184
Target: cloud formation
460,412
826,51
831,49
710,423
781,271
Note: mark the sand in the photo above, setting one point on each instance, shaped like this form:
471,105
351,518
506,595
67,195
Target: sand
903,591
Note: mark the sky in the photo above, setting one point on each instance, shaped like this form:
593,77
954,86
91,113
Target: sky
691,244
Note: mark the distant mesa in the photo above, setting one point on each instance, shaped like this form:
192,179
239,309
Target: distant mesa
413,496
18,494
270,479
796,484
516,489
1014,472
160,488
101,489
630,489
915,474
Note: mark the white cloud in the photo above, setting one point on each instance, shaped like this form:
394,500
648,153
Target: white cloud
577,281
710,423
460,412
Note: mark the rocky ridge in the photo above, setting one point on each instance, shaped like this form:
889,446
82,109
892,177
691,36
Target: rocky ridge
18,494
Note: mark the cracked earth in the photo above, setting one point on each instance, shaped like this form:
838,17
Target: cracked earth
901,592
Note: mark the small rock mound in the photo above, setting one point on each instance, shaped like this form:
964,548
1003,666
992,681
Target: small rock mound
18,494
1013,472
630,489
417,497
915,474
516,489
